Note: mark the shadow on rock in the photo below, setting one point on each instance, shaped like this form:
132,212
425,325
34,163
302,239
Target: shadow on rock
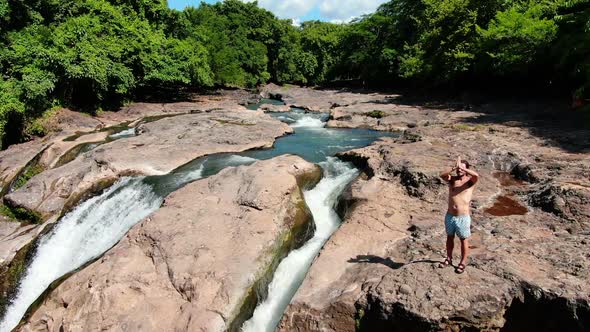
376,260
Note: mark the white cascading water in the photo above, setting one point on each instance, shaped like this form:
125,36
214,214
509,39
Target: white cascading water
292,270
191,175
239,160
123,133
309,122
84,234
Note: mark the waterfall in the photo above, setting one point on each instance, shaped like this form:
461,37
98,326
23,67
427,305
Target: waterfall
292,270
84,234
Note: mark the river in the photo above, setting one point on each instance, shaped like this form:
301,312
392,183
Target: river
97,224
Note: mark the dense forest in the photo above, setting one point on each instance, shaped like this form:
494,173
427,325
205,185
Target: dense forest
94,54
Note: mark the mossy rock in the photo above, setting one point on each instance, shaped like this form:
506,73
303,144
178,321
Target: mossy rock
74,137
32,169
20,214
466,127
77,150
11,273
236,123
309,179
376,114
358,319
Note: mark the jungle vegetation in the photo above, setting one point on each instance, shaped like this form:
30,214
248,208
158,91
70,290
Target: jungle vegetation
95,54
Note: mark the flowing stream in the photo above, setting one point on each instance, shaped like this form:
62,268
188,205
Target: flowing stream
97,224
292,270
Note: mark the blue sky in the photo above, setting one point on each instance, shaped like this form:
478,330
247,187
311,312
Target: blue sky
303,10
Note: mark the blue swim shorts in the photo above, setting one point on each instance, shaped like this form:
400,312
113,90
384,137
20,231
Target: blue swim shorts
459,225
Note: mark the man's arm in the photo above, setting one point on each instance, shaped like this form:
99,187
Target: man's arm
446,174
473,174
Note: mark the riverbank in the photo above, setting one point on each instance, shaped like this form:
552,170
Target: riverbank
529,267
378,270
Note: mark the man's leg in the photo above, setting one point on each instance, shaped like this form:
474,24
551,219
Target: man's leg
450,245
464,251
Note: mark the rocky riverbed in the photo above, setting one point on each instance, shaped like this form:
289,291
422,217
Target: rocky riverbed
529,267
195,264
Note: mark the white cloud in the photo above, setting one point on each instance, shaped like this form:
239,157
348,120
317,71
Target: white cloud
340,21
337,11
288,8
344,10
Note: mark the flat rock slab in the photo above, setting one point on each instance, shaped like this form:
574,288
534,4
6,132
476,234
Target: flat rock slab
379,271
381,115
190,265
159,147
320,100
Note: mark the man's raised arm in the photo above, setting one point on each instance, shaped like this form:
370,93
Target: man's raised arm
473,174
446,174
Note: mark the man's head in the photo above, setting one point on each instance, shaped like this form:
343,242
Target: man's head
464,164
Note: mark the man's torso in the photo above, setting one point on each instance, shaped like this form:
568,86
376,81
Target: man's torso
460,193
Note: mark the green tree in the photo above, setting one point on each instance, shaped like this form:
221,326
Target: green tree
572,45
322,41
515,37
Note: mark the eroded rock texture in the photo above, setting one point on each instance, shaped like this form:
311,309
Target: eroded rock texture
195,264
158,148
529,267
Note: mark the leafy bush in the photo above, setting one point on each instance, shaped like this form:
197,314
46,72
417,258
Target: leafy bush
376,114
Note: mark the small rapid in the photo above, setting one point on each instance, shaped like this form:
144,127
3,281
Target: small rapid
123,133
290,273
97,224
309,122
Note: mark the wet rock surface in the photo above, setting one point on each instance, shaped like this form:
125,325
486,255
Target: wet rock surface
193,264
529,268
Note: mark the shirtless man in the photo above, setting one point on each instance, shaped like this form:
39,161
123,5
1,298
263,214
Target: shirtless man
458,218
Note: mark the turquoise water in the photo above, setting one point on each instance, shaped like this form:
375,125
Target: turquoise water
310,140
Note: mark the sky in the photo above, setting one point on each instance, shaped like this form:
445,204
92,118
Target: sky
336,11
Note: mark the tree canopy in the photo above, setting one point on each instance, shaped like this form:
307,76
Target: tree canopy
99,53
